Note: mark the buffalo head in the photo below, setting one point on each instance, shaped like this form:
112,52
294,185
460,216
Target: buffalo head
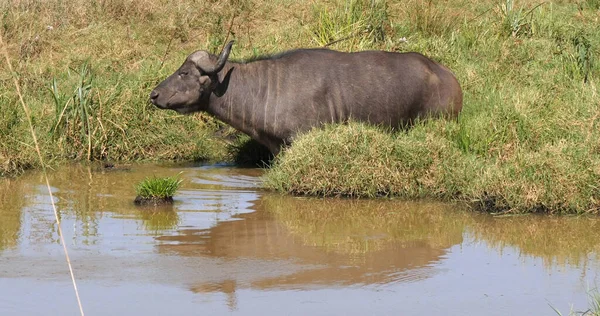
189,88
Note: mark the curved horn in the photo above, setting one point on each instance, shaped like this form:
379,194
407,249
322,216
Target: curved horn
202,60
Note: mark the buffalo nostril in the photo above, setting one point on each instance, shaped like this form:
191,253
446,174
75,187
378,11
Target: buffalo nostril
153,94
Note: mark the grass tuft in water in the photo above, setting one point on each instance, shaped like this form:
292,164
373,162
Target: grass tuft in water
156,189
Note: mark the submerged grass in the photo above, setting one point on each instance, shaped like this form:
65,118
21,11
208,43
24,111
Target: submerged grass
527,140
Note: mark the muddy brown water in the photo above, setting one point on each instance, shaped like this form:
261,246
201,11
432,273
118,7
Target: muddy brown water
227,247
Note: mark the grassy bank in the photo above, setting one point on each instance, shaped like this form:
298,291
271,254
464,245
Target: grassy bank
86,69
357,160
527,140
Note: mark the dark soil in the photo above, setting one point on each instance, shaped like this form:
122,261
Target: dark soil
152,201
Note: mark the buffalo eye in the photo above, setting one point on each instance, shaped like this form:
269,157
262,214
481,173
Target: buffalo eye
183,73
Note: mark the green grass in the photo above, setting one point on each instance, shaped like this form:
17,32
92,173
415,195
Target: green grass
75,111
86,69
157,187
517,21
528,138
358,160
359,23
594,306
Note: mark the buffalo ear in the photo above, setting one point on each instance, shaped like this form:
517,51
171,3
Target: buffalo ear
205,82
222,86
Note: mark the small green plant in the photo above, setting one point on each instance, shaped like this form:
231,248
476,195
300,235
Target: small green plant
463,138
516,21
158,188
577,55
583,54
216,35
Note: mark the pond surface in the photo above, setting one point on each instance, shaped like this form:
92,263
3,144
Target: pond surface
227,247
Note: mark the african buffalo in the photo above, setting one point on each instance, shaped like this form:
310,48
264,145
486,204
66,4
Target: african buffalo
273,98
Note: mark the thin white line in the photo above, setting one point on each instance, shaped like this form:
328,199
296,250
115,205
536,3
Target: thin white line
37,148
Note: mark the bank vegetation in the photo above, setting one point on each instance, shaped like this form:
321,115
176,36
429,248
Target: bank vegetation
528,139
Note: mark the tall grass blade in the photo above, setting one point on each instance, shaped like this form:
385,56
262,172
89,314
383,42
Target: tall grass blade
74,112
